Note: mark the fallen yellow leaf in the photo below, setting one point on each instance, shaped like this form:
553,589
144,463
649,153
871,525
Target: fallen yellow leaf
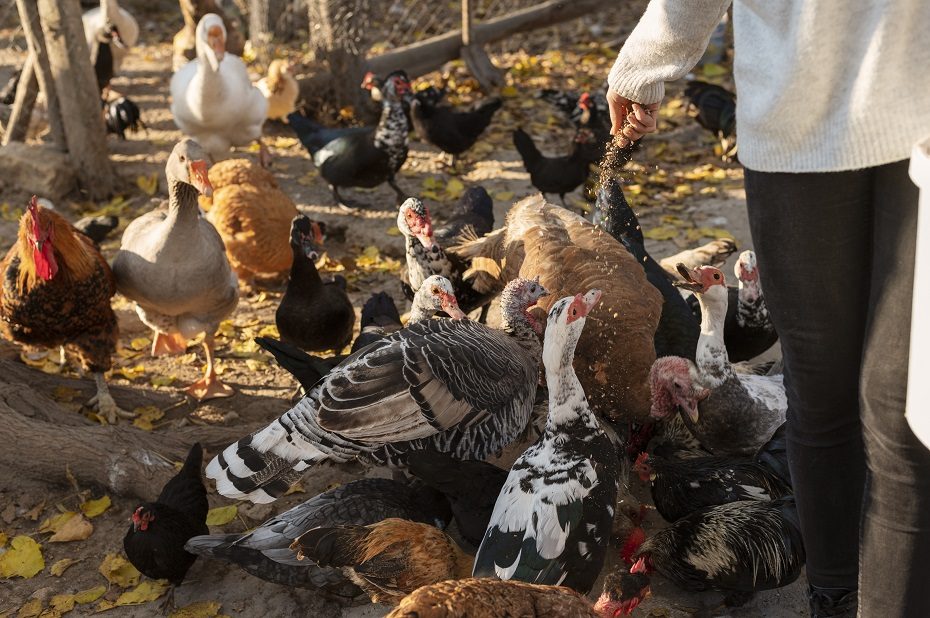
140,343
64,394
77,528
149,590
509,92
200,609
3,539
163,380
148,184
222,515
56,522
92,508
503,196
61,566
663,232
117,570
90,595
30,609
393,231
60,604
146,416
23,559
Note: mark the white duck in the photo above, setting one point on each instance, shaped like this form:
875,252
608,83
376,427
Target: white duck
212,98
96,21
172,263
730,413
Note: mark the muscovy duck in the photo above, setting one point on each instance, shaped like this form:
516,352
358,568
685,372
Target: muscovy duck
101,54
678,330
313,314
747,331
265,551
475,211
109,12
455,386
360,156
451,130
429,95
729,413
435,295
425,258
737,548
552,520
122,115
559,175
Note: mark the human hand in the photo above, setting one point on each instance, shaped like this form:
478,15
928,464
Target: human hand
630,119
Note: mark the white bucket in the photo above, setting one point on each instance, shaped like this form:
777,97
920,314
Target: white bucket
918,372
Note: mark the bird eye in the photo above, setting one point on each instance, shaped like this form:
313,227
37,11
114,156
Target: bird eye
181,158
716,276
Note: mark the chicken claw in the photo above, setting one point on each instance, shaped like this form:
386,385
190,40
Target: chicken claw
104,403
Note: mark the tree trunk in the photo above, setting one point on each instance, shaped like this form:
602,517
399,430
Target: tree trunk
78,98
337,42
29,17
43,441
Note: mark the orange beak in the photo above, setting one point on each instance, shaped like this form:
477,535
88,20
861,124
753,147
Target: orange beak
197,171
217,41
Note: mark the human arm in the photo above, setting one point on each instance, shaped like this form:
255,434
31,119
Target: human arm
668,41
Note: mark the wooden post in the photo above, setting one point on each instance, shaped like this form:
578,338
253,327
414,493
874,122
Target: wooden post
26,92
476,58
29,17
78,98
466,23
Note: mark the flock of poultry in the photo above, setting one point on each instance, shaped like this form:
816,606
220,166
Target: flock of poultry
660,380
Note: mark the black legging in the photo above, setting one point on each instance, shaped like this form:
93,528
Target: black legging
836,261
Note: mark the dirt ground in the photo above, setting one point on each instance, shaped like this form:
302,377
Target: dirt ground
684,193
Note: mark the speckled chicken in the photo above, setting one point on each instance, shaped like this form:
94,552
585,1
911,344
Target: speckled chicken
172,264
490,598
389,559
253,216
56,292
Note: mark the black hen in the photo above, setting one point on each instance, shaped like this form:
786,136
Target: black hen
471,487
678,330
740,547
451,130
155,541
475,211
681,486
122,115
264,551
559,175
714,108
360,156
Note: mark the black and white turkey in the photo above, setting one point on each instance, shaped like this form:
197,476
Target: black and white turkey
553,518
455,386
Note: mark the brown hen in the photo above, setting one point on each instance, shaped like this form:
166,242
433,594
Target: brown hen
253,216
389,559
571,255
56,292
492,598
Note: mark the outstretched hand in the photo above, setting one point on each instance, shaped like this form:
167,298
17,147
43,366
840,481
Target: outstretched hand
630,119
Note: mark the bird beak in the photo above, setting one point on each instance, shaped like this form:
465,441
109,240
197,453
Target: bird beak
690,283
691,409
590,299
118,40
425,234
197,171
451,306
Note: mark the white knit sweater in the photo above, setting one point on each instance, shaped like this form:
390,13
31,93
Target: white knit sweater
822,85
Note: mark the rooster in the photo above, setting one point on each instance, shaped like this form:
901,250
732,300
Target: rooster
389,559
155,541
56,292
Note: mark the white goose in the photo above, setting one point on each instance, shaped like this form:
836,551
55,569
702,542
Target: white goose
728,412
212,98
96,20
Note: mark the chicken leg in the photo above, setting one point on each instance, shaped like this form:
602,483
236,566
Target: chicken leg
210,387
104,402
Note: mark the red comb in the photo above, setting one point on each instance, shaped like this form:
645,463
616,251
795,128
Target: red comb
639,566
641,459
636,538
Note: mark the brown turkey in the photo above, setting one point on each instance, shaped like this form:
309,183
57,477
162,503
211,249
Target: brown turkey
571,255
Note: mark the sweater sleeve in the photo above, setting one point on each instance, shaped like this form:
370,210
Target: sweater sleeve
668,41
